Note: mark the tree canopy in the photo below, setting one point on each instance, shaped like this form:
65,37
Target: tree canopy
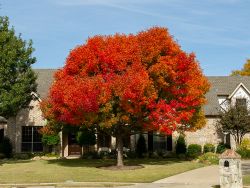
122,83
245,71
235,121
17,80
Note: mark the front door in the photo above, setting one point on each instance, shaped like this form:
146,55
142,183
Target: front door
74,147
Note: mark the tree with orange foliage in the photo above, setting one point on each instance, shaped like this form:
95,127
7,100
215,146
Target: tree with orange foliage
122,83
245,71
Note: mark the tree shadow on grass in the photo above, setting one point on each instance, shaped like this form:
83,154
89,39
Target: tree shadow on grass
13,161
108,162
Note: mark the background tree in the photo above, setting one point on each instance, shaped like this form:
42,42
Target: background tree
235,121
125,83
245,71
17,80
86,138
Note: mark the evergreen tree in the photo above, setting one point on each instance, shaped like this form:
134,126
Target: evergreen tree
17,80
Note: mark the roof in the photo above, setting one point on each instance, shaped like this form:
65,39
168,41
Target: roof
45,78
220,85
230,154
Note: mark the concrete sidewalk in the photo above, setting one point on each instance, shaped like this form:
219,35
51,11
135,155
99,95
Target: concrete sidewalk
202,177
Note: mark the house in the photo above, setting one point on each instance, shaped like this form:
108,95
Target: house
23,130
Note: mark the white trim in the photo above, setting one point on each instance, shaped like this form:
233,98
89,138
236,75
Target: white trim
237,88
36,95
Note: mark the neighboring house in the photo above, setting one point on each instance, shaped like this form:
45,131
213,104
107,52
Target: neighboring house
23,129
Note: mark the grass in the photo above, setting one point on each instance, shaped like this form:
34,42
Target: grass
246,179
83,170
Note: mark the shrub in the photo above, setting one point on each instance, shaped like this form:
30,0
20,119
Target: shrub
209,148
22,156
181,147
222,147
194,150
131,154
245,143
141,146
244,153
50,140
209,158
6,147
91,155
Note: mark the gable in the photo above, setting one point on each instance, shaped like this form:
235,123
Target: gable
240,92
225,87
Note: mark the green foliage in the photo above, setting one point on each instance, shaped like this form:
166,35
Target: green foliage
209,158
194,150
141,147
17,80
91,155
181,147
244,148
244,153
86,137
235,121
22,156
50,140
245,143
209,148
6,147
222,147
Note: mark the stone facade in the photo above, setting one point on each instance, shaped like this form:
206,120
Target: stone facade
207,134
31,116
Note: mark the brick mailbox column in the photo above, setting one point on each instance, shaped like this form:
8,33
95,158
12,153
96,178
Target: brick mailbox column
230,170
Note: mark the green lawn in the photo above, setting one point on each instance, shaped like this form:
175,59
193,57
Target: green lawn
83,170
246,179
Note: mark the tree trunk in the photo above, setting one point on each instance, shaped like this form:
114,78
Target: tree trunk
119,146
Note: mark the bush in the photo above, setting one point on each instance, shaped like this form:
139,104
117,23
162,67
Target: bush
23,156
131,154
6,147
194,150
91,155
141,146
222,147
209,148
50,140
209,158
244,153
181,147
245,143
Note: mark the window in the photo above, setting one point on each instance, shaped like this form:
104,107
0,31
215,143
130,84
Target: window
160,142
31,139
241,102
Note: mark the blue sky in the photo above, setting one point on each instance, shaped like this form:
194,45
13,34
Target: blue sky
218,31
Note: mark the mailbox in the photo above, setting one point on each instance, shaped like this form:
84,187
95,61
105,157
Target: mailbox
230,170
